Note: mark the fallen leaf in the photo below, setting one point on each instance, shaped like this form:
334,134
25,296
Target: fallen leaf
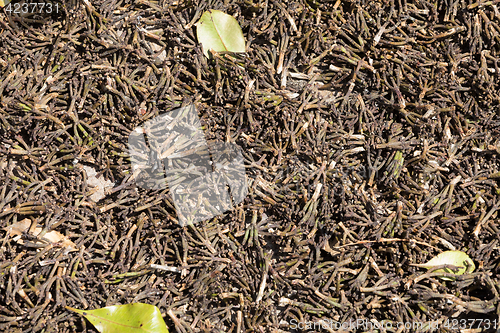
99,185
4,3
328,249
128,318
220,32
458,259
157,48
52,237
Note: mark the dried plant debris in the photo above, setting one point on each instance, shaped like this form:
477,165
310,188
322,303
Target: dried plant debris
369,133
98,185
26,230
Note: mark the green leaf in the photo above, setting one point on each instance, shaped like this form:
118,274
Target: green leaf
4,3
128,318
220,32
454,258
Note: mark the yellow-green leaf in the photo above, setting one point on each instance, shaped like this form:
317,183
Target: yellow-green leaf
220,32
458,259
128,318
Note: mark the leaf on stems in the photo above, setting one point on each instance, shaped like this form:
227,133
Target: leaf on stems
219,32
128,318
459,259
